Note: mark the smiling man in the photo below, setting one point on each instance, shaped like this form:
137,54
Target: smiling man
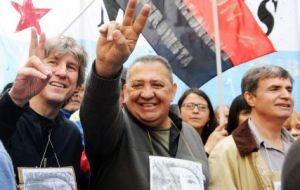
252,157
149,90
120,141
33,130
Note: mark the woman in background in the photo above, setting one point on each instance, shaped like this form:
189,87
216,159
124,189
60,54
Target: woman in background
239,111
196,109
292,124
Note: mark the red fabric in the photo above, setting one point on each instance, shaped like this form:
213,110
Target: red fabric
84,163
241,37
30,15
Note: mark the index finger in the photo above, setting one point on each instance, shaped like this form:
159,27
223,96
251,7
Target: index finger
33,42
129,13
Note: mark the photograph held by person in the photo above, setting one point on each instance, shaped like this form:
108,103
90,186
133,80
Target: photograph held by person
32,128
196,109
119,141
252,156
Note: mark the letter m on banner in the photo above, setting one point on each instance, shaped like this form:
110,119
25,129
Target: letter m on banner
182,31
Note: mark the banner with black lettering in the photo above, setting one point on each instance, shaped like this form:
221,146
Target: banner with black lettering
182,31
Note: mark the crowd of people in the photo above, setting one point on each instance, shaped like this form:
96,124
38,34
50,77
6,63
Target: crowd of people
121,129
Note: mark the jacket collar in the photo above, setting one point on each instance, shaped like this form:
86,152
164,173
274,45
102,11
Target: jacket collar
244,139
175,129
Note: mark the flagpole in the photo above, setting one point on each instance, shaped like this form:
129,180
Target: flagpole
77,17
218,58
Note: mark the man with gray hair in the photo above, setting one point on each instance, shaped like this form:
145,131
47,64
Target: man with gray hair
32,128
252,157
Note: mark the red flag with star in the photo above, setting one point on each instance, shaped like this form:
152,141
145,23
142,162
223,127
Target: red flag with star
30,15
49,16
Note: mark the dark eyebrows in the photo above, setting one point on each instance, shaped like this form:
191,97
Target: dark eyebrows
156,81
279,86
151,81
274,86
73,63
137,81
289,88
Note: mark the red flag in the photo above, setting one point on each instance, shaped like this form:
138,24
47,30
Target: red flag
182,31
49,16
241,37
29,15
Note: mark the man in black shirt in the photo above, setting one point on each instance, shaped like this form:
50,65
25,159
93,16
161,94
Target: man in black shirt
32,128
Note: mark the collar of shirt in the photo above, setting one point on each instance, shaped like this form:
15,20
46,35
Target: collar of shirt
287,139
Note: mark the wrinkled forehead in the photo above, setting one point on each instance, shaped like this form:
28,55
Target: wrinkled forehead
274,81
148,69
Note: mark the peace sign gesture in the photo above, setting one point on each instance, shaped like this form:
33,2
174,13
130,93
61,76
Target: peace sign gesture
117,41
34,75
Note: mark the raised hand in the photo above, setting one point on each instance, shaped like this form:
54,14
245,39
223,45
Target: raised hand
117,41
218,134
34,75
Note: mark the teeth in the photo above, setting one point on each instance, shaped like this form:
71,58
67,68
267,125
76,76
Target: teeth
284,105
147,105
74,100
57,84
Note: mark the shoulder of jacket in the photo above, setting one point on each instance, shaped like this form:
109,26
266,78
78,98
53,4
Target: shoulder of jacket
225,146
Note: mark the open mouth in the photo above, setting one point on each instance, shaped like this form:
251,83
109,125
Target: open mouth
148,105
57,84
284,105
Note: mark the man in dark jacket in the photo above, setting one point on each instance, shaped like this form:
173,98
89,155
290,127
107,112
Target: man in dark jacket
291,168
32,128
126,146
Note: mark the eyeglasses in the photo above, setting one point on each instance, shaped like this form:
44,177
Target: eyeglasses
191,106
